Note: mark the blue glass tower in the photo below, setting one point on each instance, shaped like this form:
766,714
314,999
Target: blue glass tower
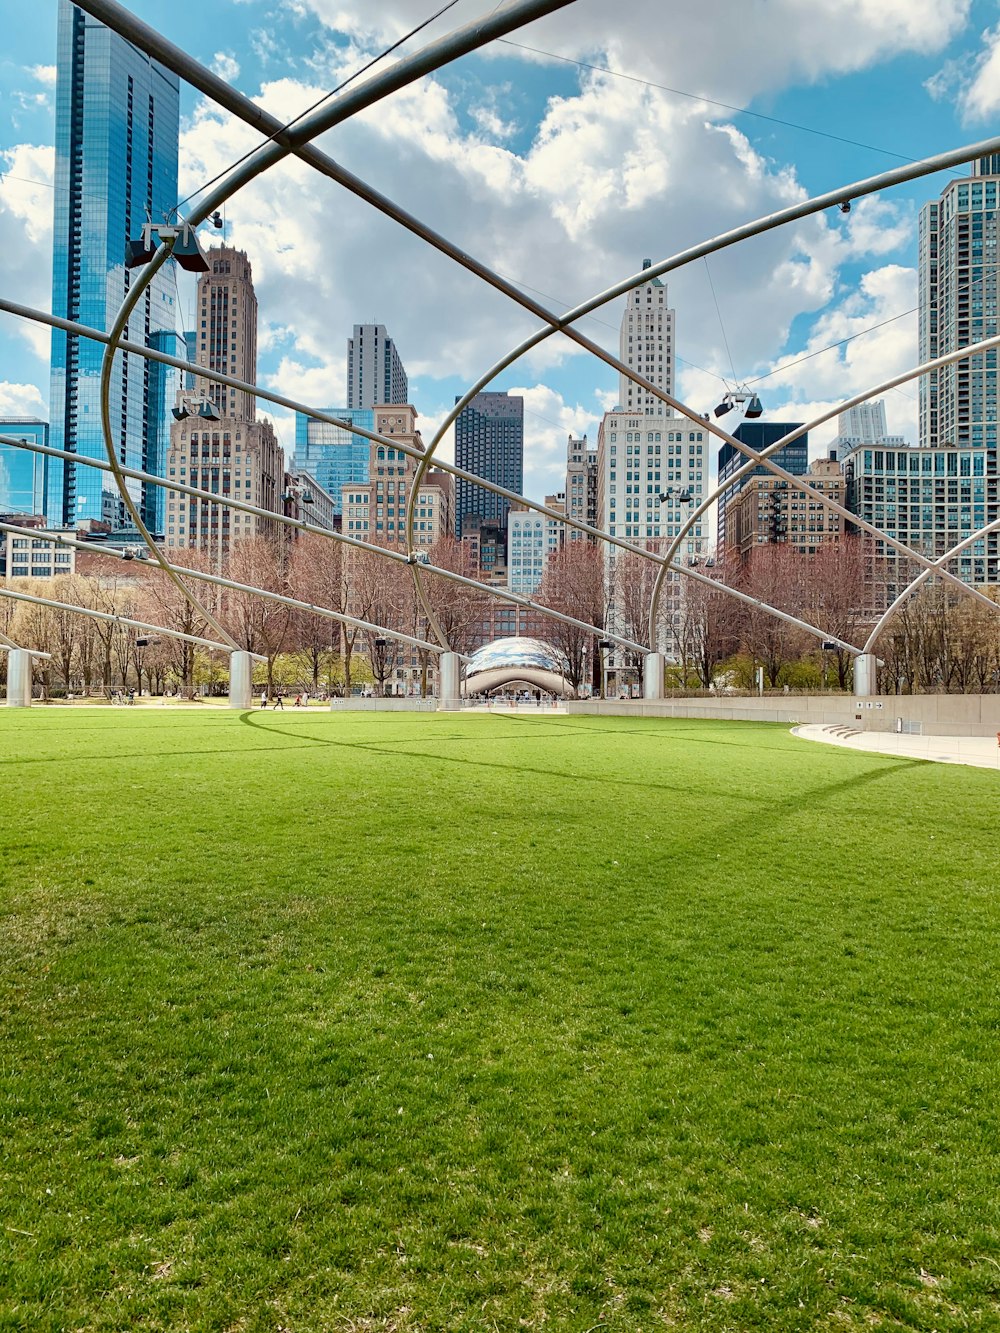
22,473
489,441
117,121
332,454
759,435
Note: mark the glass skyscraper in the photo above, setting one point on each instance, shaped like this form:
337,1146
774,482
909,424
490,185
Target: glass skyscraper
489,441
22,473
759,435
332,454
117,121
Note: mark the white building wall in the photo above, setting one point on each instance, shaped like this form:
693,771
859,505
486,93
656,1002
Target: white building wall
641,458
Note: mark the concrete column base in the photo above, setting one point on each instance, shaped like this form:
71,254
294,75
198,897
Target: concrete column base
240,681
18,678
653,666
865,674
449,683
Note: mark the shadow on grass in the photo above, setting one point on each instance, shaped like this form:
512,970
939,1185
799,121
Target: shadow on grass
373,747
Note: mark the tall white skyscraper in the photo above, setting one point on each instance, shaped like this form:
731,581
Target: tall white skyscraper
646,345
375,374
959,290
864,424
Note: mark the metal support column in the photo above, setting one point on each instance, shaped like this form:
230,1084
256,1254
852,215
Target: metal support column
240,680
18,678
865,674
450,683
653,667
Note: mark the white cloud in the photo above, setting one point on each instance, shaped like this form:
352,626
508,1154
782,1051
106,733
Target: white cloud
710,48
225,64
979,95
266,46
614,173
814,379
20,400
548,422
45,74
26,235
491,124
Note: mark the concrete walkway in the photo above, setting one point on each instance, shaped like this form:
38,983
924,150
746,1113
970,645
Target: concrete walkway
979,751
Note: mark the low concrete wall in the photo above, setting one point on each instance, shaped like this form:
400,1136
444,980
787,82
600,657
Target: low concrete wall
383,705
933,714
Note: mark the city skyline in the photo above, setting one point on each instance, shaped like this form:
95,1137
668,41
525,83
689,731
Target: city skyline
528,123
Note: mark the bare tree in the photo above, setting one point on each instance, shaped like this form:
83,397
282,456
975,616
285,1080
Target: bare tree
706,631
162,604
258,624
774,574
834,597
316,575
380,590
574,584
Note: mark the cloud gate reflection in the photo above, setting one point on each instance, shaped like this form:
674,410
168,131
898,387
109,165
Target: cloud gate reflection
517,661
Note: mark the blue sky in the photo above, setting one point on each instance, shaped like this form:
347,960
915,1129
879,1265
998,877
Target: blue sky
563,178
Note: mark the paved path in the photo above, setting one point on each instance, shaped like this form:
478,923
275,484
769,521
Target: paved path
980,751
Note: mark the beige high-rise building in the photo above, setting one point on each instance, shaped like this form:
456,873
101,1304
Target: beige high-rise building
375,511
226,330
646,345
234,455
581,486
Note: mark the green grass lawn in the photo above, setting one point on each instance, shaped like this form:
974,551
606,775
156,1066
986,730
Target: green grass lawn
367,1022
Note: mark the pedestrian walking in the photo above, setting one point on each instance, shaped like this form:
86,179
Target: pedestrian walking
263,698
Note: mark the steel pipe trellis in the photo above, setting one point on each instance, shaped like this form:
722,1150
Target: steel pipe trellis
515,599
114,552
388,552
94,614
296,139
183,65
405,71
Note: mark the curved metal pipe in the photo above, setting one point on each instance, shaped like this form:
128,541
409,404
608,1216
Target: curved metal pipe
118,620
923,576
911,171
184,66
805,208
107,364
7,646
218,377
301,525
463,41
210,84
112,552
950,358
503,594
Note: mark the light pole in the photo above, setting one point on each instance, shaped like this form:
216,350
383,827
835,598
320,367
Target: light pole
604,646
828,646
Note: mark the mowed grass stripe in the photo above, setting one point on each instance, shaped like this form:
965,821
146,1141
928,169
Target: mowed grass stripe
348,1022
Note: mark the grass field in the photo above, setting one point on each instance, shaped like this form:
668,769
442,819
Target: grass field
317,1022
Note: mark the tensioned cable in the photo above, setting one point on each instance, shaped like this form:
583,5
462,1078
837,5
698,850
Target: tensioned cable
325,98
710,101
722,325
960,291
